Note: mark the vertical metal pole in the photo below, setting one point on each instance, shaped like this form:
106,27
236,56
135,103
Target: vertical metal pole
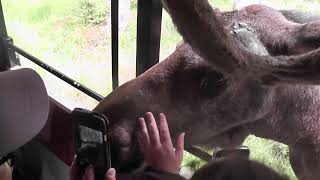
148,34
4,61
115,42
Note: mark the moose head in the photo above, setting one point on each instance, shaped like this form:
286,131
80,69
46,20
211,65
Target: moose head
216,88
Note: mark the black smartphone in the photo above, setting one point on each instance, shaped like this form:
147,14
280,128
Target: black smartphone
92,145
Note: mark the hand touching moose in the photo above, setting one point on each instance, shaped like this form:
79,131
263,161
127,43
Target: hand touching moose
156,146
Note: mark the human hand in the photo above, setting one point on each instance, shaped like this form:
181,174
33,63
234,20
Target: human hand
156,144
89,173
5,172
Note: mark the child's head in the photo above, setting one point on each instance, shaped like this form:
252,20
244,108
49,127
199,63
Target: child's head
151,175
233,168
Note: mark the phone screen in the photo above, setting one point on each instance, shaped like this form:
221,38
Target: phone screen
92,146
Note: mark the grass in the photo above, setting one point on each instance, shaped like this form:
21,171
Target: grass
52,31
55,32
272,154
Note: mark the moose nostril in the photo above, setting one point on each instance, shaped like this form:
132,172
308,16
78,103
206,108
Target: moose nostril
120,136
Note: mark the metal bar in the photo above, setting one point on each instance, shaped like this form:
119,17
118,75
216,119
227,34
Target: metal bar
3,29
199,153
148,34
11,55
4,60
115,42
58,74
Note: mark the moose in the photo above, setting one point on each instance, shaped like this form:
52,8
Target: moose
219,92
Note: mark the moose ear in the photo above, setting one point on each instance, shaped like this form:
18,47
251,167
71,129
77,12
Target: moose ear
203,29
205,33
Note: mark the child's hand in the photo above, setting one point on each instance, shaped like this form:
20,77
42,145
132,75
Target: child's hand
156,145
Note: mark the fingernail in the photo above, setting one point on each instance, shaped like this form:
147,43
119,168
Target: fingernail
111,172
161,115
141,120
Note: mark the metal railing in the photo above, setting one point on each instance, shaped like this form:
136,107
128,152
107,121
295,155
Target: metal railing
115,42
55,72
148,45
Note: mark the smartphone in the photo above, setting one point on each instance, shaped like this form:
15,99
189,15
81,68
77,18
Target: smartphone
92,145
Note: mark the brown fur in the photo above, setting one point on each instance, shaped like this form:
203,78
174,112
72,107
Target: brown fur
217,104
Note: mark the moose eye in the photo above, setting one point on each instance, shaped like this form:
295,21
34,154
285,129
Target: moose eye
212,84
204,83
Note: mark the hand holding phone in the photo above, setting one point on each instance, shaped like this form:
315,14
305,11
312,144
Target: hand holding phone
89,172
92,146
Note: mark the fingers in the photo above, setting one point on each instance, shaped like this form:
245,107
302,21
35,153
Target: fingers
164,131
151,135
111,174
89,173
180,146
74,170
143,135
156,144
153,130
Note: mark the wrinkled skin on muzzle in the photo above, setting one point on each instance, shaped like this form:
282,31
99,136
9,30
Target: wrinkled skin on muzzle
195,99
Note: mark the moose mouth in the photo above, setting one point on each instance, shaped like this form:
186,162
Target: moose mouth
126,159
126,156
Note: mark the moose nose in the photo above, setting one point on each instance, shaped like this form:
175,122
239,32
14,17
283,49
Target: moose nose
120,136
125,159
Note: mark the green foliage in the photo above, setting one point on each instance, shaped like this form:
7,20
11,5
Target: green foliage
34,11
51,31
222,4
169,36
192,162
92,11
127,37
271,153
133,5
